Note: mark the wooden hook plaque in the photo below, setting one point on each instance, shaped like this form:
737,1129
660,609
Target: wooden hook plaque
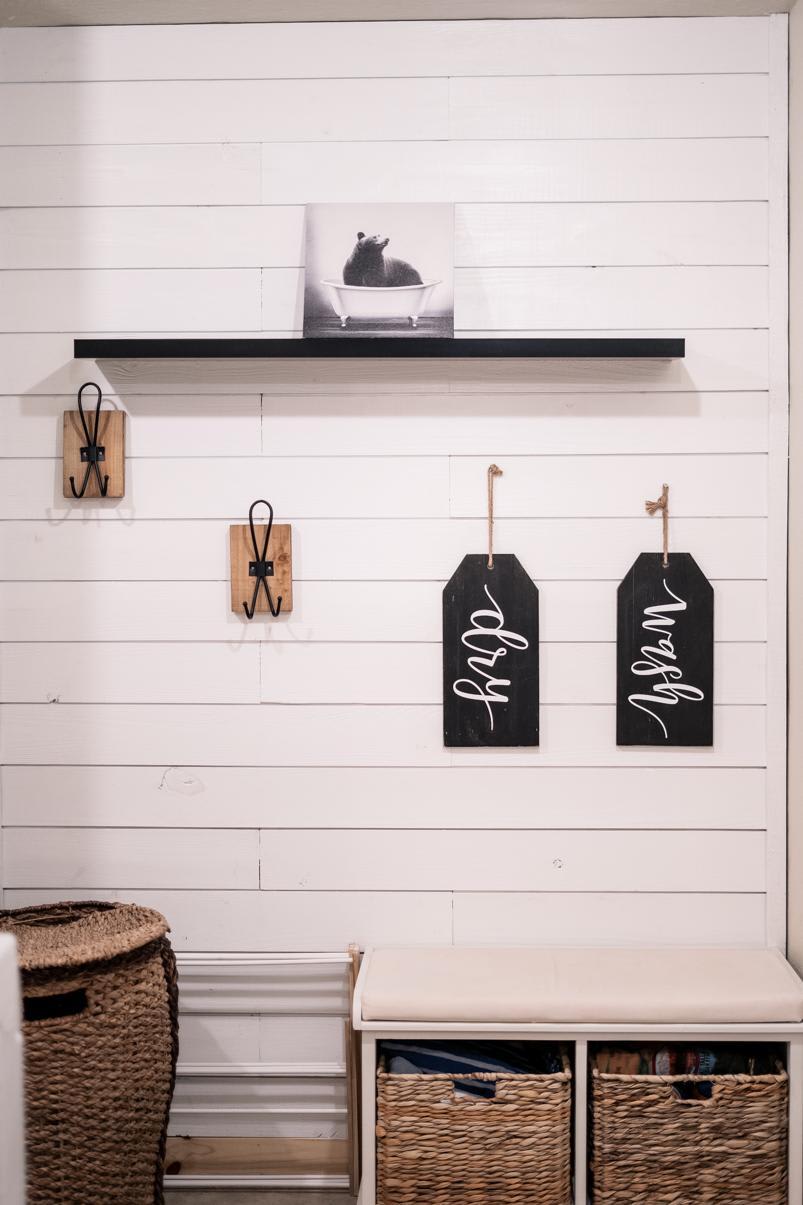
261,566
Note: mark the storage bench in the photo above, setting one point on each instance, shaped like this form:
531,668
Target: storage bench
581,997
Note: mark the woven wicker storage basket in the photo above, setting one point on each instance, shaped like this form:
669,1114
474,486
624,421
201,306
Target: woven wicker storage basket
101,1039
436,1146
650,1146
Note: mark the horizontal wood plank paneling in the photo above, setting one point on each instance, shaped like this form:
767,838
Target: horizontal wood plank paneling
181,236
326,735
206,425
613,485
401,48
211,984
227,174
134,673
680,232
610,919
387,110
496,861
635,106
570,674
280,797
268,920
131,858
327,611
516,424
351,550
400,487
701,169
273,1040
430,424
37,364
523,235
556,298
220,111
204,300
298,673
165,488
485,298
313,1128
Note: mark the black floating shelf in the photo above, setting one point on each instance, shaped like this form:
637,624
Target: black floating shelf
379,347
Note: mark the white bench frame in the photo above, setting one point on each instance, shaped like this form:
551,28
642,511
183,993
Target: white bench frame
579,1036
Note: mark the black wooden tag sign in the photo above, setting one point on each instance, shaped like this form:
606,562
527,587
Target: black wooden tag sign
665,653
490,654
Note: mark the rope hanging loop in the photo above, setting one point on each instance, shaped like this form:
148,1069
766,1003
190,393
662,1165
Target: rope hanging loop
662,504
493,471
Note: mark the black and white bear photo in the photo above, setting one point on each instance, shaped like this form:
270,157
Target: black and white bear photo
379,270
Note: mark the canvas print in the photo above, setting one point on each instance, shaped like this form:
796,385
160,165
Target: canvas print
379,270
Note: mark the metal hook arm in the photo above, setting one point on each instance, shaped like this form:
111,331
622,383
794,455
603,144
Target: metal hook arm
261,568
91,452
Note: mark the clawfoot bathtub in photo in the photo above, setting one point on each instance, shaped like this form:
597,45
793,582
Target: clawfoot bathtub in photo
377,303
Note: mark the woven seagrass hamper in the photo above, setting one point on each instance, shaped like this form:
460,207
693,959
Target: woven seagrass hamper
437,1146
101,1039
650,1146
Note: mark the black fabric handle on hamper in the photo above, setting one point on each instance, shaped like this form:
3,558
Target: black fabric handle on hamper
476,1087
64,1004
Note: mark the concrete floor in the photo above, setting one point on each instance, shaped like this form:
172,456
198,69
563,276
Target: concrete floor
254,1196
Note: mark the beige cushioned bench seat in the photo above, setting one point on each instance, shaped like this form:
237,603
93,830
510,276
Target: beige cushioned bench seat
598,986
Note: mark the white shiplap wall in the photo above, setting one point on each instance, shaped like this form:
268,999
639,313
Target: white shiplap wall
283,786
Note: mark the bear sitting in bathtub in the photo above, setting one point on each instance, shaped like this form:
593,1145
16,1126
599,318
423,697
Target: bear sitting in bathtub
368,266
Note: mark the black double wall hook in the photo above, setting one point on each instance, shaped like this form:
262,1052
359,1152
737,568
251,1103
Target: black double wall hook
93,453
261,568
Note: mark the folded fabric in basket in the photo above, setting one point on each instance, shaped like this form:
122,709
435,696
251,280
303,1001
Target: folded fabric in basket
679,1060
467,1058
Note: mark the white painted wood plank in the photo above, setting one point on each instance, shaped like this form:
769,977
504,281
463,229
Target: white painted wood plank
629,106
253,1092
700,169
37,365
130,858
206,425
398,487
130,175
210,1038
183,236
570,674
328,611
351,550
488,47
281,797
281,1122
204,111
610,919
558,298
211,985
610,485
131,673
504,299
202,299
323,487
431,424
339,736
260,920
519,424
493,861
680,232
778,546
